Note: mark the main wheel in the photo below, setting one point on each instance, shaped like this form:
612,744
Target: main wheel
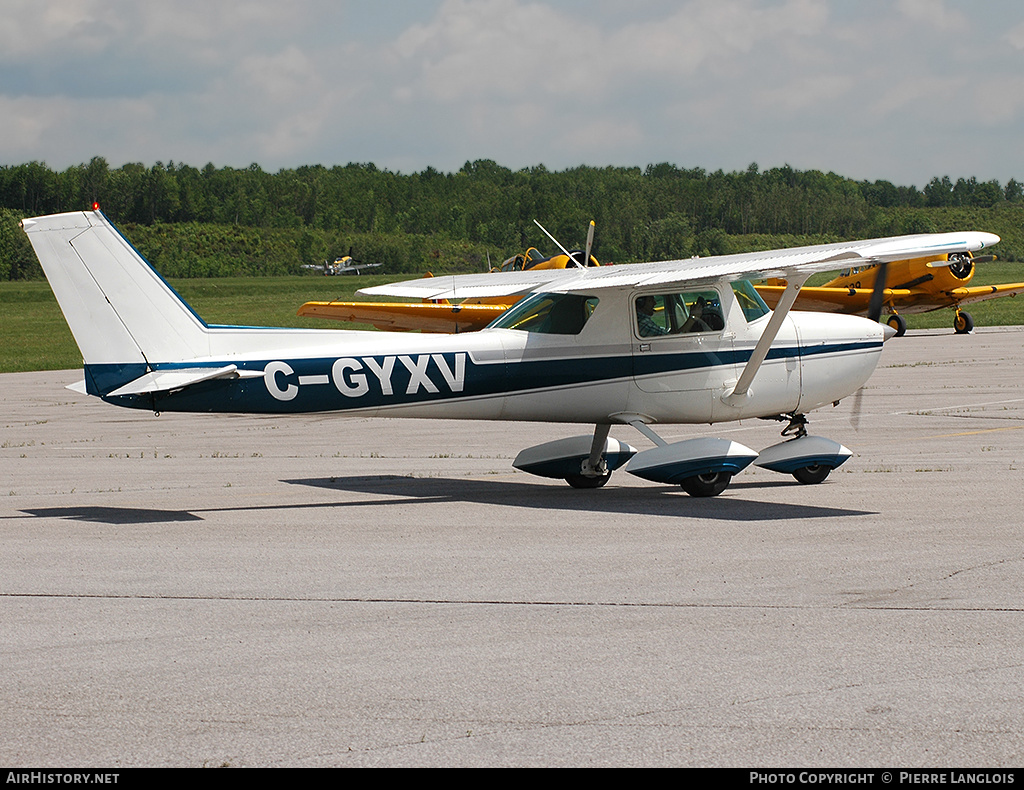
707,485
899,323
963,323
582,481
812,475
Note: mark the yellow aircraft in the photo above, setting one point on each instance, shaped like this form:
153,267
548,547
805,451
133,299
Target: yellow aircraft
443,316
916,285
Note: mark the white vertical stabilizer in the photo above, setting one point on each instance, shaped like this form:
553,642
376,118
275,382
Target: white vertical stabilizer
119,309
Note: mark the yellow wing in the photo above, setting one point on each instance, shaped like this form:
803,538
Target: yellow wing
830,300
981,293
406,317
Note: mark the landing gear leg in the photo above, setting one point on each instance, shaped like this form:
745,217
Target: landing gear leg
594,472
797,427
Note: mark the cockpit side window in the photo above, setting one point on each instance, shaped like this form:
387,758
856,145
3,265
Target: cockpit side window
676,314
551,314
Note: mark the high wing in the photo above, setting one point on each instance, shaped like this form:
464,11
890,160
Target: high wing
799,262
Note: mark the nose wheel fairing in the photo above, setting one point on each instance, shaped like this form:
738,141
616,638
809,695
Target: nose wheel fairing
804,452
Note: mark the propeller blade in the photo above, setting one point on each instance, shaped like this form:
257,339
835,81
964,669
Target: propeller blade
878,294
858,405
590,244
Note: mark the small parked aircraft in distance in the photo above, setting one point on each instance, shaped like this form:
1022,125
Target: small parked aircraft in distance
602,346
346,264
919,285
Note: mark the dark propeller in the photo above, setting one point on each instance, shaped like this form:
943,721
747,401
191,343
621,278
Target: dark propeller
878,294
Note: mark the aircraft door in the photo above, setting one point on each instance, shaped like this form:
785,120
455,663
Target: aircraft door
682,344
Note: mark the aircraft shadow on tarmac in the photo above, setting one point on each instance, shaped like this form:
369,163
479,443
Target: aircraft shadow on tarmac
647,501
113,515
398,490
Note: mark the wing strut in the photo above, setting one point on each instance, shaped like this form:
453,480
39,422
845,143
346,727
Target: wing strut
742,389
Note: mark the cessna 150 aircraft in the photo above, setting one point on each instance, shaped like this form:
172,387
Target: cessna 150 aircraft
604,346
920,285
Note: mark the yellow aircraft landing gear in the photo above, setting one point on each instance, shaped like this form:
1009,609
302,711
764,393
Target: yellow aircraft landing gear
899,323
963,324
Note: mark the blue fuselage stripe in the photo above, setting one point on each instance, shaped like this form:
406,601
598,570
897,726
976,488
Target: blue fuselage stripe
331,384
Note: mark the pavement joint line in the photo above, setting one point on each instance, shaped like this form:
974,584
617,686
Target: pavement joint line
481,602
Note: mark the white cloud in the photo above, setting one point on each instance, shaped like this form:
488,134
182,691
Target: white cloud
709,83
1015,36
934,14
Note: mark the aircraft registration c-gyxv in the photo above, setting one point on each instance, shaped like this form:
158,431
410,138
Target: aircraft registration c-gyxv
603,346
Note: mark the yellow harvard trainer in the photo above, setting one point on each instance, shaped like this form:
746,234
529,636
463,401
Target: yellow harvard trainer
916,285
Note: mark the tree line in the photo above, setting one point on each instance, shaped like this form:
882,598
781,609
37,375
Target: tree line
215,221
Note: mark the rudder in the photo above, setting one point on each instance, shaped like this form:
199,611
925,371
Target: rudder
119,309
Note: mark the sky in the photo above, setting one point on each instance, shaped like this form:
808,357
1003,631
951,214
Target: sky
898,90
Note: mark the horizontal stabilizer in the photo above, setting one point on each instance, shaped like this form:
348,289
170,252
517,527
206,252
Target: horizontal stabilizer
167,380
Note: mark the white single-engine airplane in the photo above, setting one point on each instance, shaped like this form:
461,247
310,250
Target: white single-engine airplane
672,342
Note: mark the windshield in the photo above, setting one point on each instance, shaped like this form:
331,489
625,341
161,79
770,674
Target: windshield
552,314
750,300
